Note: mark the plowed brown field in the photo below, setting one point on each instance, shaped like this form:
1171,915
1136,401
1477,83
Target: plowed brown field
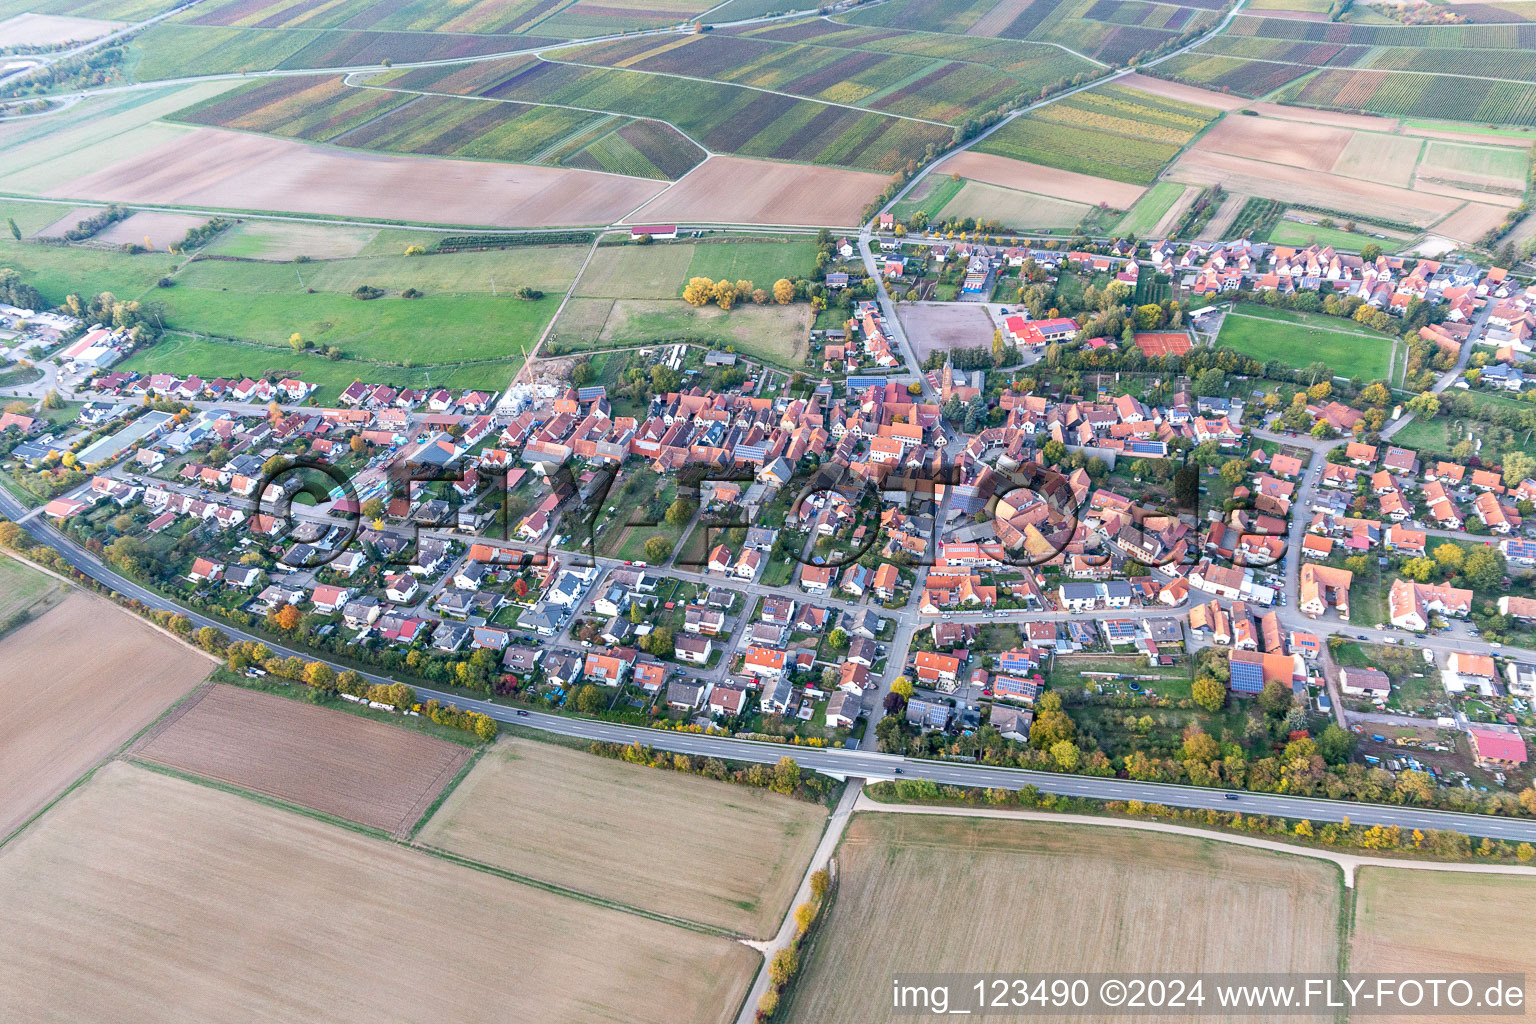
737,190
76,684
232,170
369,772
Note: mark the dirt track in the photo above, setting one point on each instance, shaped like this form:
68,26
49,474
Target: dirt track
1044,181
217,168
738,190
373,773
70,701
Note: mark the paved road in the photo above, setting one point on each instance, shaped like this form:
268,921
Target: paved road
845,763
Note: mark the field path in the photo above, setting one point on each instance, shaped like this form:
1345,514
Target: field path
853,794
1349,862
539,345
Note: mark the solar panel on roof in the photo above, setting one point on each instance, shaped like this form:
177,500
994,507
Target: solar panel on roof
1247,677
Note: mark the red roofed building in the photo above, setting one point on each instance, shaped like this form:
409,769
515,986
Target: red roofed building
1496,746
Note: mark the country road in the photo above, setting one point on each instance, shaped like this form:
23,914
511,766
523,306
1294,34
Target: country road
842,762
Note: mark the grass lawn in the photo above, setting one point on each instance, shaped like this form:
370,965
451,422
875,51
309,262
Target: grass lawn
1297,339
757,260
280,240
772,333
932,196
184,354
439,328
59,270
21,587
1289,232
655,271
1149,209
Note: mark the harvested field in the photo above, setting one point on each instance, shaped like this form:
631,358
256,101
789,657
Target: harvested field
276,240
1315,147
69,704
1176,211
143,897
1234,909
1416,921
1388,159
66,222
1503,167
790,194
1471,222
635,272
1310,188
1183,93
373,773
219,168
1455,135
51,30
1012,208
595,824
152,229
932,326
1045,181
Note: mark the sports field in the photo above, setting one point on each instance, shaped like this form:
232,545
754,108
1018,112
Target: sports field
1021,896
146,897
1298,339
625,832
1416,921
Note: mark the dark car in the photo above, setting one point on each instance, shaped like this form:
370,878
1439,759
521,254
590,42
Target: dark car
1231,796
522,714
898,771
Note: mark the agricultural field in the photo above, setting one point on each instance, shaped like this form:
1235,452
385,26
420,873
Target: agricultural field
1417,921
721,117
1452,99
482,17
1040,180
161,872
1111,132
1237,909
1111,31
594,824
23,30
782,194
1299,339
1013,209
1480,73
327,110
897,83
373,773
70,703
1152,209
